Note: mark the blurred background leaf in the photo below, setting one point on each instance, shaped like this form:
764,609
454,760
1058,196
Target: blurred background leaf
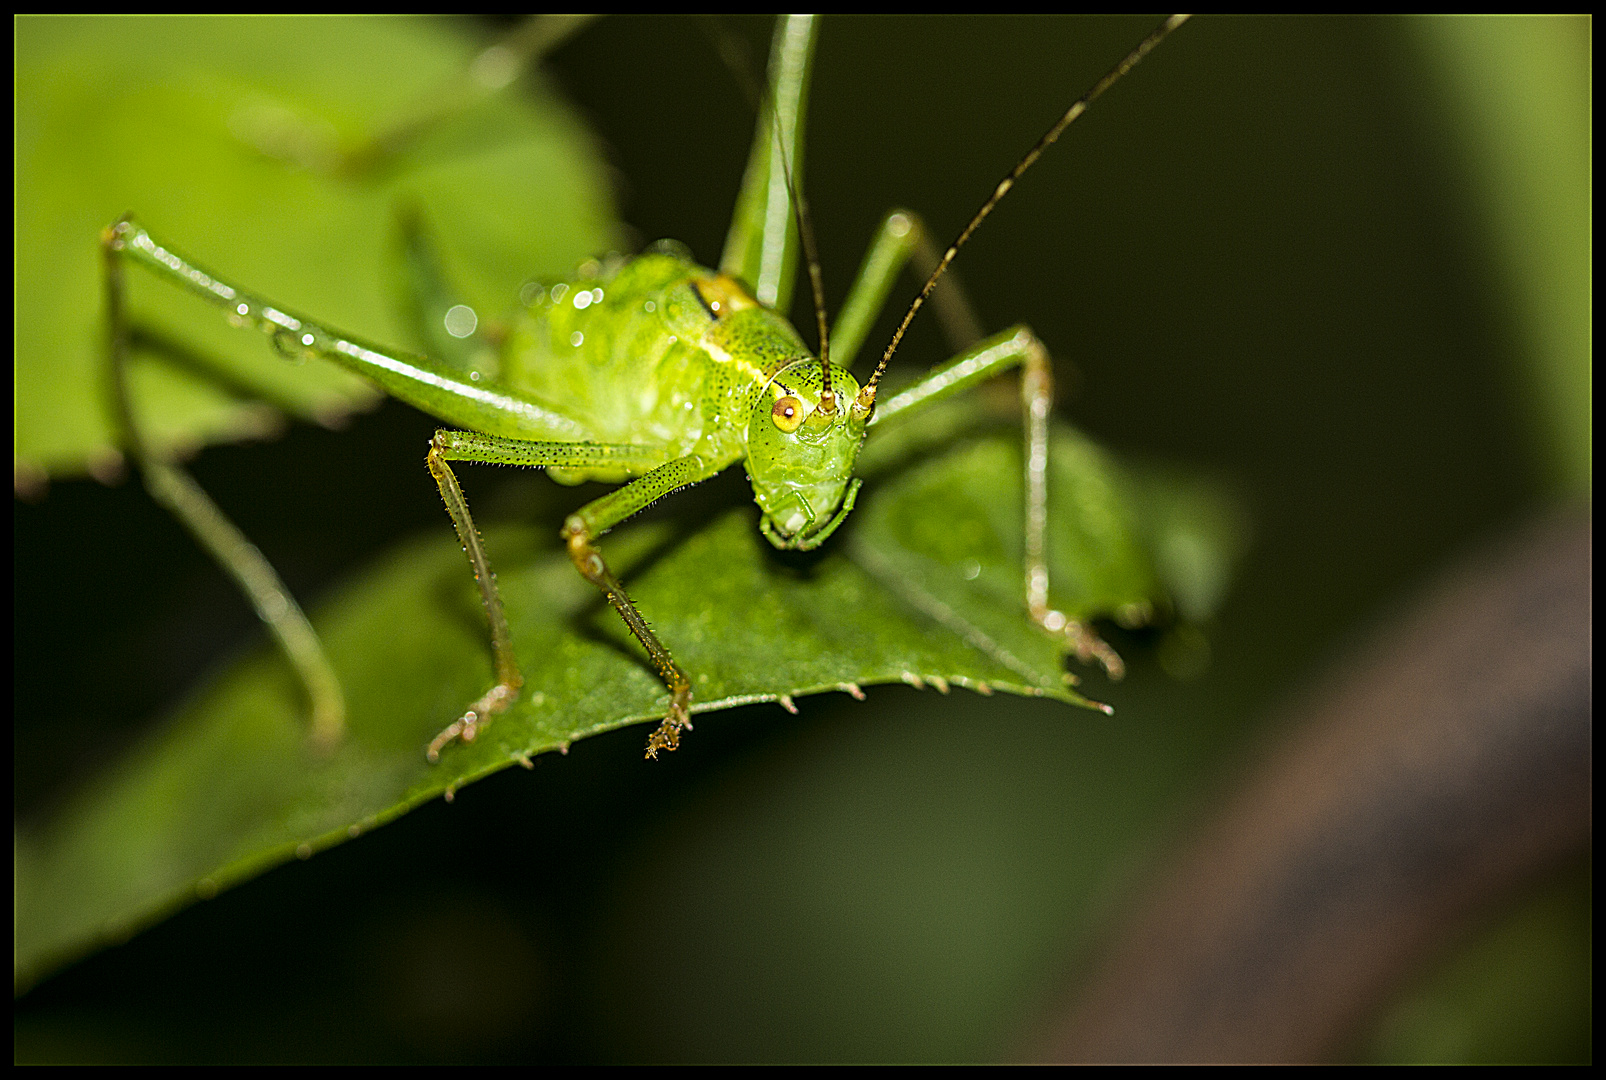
227,137
1513,96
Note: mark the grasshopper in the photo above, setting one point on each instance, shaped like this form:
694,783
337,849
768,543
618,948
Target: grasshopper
652,370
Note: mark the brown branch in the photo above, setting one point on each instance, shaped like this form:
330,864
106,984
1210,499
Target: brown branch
1443,768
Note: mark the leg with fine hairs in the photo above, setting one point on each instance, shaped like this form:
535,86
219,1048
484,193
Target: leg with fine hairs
595,518
580,532
449,446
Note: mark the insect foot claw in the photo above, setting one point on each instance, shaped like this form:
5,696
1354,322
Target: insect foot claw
667,737
453,730
467,726
1089,647
1081,639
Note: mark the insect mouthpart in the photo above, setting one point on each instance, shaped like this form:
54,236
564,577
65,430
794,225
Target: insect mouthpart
790,519
791,524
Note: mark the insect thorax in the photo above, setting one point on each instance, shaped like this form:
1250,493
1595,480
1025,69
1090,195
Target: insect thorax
659,350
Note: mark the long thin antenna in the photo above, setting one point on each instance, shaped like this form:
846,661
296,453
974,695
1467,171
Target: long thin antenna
736,60
811,257
867,395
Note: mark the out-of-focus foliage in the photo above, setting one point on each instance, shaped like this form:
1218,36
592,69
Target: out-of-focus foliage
1515,95
233,139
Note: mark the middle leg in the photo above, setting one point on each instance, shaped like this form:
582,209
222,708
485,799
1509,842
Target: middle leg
580,533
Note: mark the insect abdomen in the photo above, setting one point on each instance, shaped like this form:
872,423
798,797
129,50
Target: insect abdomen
608,351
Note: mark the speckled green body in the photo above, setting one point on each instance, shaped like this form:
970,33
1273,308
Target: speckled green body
636,356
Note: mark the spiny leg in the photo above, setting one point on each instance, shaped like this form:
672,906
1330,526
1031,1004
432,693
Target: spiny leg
580,532
993,356
594,519
508,679
1036,387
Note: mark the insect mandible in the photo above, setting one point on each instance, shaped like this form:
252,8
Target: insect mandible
653,370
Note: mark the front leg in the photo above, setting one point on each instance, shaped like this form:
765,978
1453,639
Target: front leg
596,518
580,532
993,356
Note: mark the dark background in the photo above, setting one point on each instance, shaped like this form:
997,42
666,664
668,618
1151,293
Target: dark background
1259,256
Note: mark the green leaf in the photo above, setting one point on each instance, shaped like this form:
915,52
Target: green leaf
224,135
213,132
1515,97
925,588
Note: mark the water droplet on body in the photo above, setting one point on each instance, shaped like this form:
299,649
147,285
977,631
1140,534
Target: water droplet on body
461,320
289,345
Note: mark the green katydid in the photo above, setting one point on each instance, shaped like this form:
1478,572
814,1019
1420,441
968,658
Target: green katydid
656,371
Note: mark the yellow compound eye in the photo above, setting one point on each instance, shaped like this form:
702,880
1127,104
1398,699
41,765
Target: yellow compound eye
787,414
